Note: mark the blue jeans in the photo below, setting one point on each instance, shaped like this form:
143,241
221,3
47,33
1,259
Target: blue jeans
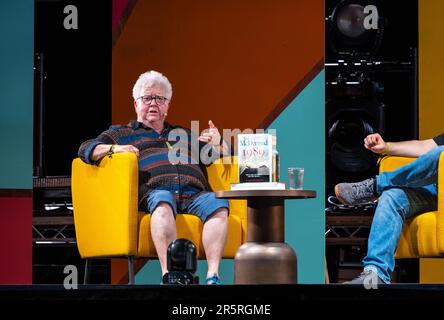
404,193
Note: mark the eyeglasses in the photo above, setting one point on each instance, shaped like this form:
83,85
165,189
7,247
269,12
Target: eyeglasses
159,100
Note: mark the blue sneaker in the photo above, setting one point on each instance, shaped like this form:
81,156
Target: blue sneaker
214,279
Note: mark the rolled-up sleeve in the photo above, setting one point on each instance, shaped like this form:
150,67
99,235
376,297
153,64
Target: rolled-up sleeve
86,150
110,136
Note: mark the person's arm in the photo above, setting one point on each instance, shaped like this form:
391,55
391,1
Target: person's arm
102,150
411,148
91,151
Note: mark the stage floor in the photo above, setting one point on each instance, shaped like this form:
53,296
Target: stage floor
218,302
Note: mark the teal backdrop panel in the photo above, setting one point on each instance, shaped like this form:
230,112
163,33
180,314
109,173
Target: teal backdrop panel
300,131
301,143
16,93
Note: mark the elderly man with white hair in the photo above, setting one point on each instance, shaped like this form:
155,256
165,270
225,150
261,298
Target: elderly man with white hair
167,188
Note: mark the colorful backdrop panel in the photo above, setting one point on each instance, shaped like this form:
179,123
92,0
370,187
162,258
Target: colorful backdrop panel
16,140
431,68
243,64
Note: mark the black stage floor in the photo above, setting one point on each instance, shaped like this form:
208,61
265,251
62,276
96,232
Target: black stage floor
219,302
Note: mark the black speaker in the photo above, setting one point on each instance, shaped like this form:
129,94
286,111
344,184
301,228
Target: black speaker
349,120
72,96
371,83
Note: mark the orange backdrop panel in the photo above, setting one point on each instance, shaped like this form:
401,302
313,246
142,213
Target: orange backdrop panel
431,68
230,61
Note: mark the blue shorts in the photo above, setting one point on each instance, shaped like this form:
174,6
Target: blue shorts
203,205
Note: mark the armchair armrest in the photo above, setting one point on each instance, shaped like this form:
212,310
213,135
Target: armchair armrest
221,174
105,201
390,163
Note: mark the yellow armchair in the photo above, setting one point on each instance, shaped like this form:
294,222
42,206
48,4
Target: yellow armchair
108,223
422,236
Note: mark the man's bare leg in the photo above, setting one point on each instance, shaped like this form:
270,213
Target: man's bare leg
214,237
163,231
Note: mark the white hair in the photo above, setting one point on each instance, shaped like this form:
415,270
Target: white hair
149,79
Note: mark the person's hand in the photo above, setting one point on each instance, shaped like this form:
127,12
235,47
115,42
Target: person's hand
211,135
375,143
126,148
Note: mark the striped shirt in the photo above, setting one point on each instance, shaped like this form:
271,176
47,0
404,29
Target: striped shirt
186,179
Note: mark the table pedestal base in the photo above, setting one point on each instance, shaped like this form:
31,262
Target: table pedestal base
265,263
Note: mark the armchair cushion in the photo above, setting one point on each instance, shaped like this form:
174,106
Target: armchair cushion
107,219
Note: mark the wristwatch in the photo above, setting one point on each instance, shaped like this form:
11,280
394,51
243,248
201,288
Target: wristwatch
111,151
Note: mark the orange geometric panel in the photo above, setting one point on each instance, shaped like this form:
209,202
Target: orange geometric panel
234,62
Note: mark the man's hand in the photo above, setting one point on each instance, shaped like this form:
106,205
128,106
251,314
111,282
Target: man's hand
375,143
211,135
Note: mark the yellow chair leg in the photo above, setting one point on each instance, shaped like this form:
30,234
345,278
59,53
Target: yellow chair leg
431,270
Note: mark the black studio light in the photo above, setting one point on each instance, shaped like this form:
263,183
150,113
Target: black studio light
181,263
348,36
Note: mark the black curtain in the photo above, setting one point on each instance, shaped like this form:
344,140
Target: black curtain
76,94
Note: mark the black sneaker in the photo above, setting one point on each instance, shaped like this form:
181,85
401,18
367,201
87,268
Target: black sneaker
357,192
367,278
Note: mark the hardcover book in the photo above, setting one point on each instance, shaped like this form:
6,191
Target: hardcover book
255,157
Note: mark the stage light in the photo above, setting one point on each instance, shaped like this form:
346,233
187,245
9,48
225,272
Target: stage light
182,256
348,35
181,263
350,21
